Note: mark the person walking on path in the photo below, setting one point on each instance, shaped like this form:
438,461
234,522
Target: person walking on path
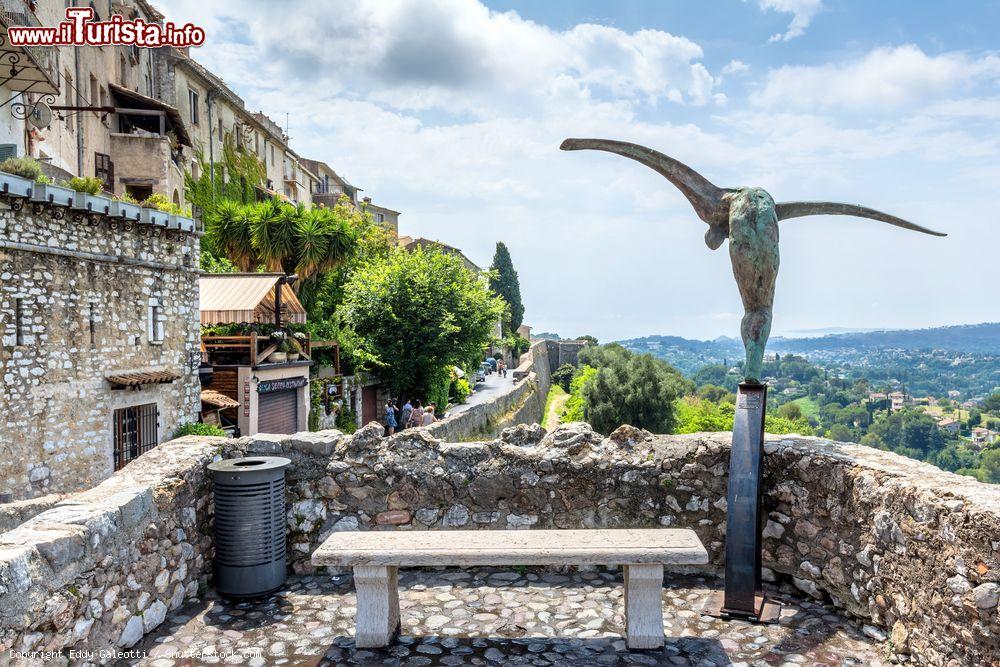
417,415
404,415
390,416
428,417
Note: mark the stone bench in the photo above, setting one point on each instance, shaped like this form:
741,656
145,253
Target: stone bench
376,557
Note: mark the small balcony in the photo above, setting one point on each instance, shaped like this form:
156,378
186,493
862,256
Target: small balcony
32,69
257,350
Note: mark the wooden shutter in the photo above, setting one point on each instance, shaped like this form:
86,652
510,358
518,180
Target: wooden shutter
7,151
104,169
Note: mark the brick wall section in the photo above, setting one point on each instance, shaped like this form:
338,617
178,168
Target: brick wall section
56,407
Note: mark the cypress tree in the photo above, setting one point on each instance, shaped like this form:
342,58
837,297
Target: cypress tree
505,283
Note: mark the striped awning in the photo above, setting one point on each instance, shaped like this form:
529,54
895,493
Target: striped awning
233,298
217,399
141,378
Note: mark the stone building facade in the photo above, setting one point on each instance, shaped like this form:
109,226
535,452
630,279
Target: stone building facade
99,347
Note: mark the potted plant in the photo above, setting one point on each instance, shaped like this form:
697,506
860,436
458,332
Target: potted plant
291,350
18,176
88,189
125,206
47,192
280,355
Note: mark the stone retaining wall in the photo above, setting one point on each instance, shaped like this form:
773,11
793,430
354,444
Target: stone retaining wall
100,569
524,403
908,551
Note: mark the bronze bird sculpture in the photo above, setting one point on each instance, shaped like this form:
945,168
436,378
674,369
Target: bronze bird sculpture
749,218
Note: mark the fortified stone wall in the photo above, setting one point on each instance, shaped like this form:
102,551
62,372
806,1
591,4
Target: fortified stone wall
524,403
908,551
75,306
101,569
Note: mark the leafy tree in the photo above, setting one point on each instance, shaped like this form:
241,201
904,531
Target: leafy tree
716,374
716,394
991,403
696,415
418,314
503,281
563,376
629,388
990,465
587,339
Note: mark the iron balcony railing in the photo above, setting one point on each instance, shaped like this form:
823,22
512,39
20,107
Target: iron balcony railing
20,13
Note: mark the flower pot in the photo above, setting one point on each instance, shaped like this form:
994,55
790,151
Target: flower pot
122,209
155,217
49,193
16,186
185,223
91,203
277,357
293,356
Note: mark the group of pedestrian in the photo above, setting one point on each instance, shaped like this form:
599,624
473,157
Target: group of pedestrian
409,415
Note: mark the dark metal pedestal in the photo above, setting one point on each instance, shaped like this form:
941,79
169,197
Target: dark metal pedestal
743,598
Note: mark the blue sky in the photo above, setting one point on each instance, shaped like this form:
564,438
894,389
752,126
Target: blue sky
452,111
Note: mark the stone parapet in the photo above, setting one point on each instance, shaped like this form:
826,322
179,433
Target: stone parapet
101,568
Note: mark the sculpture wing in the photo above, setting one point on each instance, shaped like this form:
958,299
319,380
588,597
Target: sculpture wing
798,209
706,198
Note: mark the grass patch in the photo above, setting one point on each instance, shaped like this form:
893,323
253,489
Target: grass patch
809,407
555,403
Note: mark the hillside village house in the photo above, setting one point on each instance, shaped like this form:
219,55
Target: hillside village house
272,393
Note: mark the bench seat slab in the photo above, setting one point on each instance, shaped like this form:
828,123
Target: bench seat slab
377,620
440,548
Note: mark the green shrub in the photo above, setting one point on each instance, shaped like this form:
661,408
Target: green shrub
563,376
197,428
88,184
461,390
161,202
347,420
24,167
127,198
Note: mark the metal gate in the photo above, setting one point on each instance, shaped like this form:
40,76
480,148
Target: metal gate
278,412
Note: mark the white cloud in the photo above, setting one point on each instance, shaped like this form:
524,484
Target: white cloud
453,114
883,79
802,12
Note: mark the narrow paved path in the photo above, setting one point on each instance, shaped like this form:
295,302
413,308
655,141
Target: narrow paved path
493,386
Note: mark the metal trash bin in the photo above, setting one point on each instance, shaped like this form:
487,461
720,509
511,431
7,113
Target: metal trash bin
249,525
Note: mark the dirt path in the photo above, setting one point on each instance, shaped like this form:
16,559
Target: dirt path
554,406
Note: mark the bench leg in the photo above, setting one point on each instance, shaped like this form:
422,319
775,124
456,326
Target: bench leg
377,619
644,606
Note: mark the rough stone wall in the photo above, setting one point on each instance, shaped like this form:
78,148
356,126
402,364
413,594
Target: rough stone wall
15,513
524,403
85,292
908,551
102,568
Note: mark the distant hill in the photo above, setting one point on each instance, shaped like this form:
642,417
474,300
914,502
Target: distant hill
967,338
928,361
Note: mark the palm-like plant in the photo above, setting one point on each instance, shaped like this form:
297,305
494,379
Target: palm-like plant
324,241
230,235
273,230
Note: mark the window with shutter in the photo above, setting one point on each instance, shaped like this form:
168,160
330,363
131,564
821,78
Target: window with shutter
104,169
7,151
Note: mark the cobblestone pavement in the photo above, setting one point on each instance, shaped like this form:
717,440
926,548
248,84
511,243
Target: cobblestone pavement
488,616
